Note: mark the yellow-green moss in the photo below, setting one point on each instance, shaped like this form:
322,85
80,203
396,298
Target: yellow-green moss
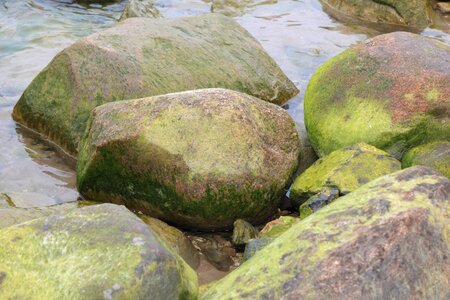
434,155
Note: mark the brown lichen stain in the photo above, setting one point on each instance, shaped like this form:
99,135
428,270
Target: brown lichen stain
2,277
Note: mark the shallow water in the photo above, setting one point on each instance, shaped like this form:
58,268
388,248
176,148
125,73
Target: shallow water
296,33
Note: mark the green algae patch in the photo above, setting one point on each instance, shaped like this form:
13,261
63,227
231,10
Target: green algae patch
96,252
401,218
199,159
434,155
141,57
277,227
347,169
382,93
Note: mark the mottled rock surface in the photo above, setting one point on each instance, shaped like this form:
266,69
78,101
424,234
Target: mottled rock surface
434,155
200,159
346,169
243,232
236,7
144,57
316,202
141,9
391,91
387,240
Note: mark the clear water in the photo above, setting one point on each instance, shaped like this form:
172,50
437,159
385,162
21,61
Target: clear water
296,33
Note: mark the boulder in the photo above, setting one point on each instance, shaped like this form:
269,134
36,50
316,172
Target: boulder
139,8
434,155
277,227
387,240
236,7
174,239
144,57
200,159
96,252
412,13
346,169
243,232
390,91
316,202
255,245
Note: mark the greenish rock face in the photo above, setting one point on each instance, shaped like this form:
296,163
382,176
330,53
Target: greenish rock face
200,159
277,227
236,7
141,9
96,252
434,155
402,219
412,13
316,202
243,232
255,245
144,57
346,169
391,92
174,239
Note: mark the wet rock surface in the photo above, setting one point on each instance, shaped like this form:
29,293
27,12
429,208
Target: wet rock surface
390,91
200,159
101,251
141,9
353,247
144,57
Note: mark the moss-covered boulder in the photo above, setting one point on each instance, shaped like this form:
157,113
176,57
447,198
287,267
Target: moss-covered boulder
414,13
200,159
390,239
140,8
347,169
316,202
96,252
391,92
277,227
174,239
435,155
243,232
144,57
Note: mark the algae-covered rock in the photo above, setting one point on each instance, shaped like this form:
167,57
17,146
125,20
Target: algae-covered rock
200,159
144,57
434,155
255,245
316,202
391,92
140,8
236,7
347,169
277,227
96,252
394,12
243,232
390,239
174,239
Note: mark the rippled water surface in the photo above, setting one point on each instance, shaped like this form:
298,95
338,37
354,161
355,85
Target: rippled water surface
297,33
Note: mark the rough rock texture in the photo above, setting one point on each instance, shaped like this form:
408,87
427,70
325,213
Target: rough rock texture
391,92
443,7
243,232
96,252
277,227
144,57
434,155
236,7
390,239
347,169
255,245
139,8
174,239
316,202
200,159
396,12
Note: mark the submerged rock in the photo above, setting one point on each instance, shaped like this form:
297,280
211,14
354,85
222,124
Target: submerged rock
174,239
387,240
243,232
96,252
394,12
316,202
139,8
346,169
391,91
236,7
144,57
200,159
434,155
